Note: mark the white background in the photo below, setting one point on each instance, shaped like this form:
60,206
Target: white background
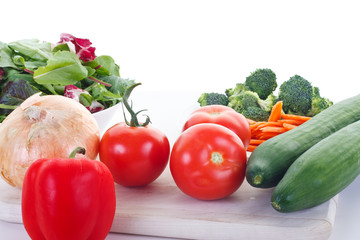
205,46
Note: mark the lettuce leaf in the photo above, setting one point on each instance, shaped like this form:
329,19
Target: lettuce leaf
32,48
6,56
63,68
104,65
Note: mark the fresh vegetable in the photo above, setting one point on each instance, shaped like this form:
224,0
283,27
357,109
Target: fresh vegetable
224,116
270,160
82,46
248,103
296,94
213,99
68,199
50,70
275,113
318,103
13,94
262,81
44,127
277,123
84,97
135,153
256,114
321,172
208,161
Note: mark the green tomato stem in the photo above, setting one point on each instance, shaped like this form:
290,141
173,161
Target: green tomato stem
134,122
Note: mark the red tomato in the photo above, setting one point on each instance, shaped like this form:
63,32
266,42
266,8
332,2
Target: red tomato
208,161
224,116
136,156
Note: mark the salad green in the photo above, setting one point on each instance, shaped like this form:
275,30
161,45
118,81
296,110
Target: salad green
69,67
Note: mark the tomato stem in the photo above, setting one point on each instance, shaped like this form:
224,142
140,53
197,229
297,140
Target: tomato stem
217,158
134,122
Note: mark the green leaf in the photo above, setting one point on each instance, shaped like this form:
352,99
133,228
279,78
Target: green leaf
32,48
63,68
85,99
33,65
106,63
6,56
14,75
19,60
100,93
50,88
2,118
118,84
61,47
90,70
4,106
14,93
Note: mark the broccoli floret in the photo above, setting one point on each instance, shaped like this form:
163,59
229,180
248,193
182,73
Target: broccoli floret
243,100
239,88
268,103
296,94
262,81
318,103
256,114
213,99
249,103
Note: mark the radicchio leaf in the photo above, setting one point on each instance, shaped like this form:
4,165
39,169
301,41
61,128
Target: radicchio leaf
82,46
80,95
1,73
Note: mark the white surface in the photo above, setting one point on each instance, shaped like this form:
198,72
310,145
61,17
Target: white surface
161,209
207,46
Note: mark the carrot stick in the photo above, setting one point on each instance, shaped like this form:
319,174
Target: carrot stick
258,127
277,123
251,148
275,113
255,126
291,121
256,141
250,121
266,136
274,124
289,126
274,129
295,117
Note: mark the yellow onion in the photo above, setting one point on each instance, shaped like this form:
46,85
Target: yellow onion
44,127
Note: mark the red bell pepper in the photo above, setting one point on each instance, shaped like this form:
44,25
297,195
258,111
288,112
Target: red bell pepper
68,199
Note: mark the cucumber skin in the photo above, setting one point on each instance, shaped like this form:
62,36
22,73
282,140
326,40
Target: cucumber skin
270,160
321,172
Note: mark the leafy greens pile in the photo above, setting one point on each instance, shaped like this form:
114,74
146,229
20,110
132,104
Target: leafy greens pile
69,67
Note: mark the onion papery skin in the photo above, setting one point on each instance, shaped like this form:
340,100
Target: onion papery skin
50,126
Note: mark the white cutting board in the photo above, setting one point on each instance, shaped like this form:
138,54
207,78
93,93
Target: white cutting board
161,209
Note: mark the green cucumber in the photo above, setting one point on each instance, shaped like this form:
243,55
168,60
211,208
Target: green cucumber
321,172
270,160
